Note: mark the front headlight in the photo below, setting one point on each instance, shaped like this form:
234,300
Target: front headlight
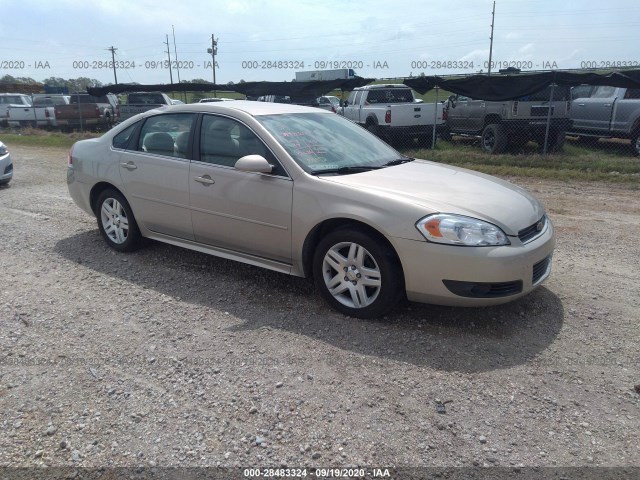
3,149
460,230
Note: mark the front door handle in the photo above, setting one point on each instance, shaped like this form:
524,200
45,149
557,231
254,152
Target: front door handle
205,180
129,165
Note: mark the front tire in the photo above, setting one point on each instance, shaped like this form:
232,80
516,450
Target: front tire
116,222
357,274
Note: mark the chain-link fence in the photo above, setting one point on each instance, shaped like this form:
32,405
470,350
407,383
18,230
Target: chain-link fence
593,116
589,116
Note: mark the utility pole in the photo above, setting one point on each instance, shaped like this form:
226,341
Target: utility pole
175,55
113,60
493,17
213,51
169,55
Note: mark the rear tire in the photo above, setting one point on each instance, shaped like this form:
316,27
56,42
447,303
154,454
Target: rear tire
116,222
357,274
494,139
425,141
445,134
556,140
635,144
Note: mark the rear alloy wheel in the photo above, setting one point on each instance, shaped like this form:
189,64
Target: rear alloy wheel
356,274
116,222
494,139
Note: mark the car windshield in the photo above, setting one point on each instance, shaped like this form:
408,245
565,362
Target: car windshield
325,142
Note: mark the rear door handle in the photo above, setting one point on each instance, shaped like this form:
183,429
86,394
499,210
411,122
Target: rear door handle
129,165
205,180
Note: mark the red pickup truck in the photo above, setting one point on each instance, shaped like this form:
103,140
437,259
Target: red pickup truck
87,111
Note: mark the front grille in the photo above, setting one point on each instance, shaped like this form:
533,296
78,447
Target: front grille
541,111
540,269
532,231
8,169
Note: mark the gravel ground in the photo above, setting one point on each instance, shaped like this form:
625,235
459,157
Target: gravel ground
173,358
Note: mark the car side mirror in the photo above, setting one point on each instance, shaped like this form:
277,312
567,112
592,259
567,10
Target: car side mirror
344,103
254,163
419,100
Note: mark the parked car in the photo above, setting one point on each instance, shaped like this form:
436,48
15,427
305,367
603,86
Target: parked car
215,99
275,98
328,102
6,165
394,114
606,112
301,191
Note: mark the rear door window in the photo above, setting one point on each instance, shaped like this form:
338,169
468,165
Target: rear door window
166,135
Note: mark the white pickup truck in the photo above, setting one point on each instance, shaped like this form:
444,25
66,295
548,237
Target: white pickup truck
41,114
12,99
394,114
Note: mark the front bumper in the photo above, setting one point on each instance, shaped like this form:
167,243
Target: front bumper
479,276
6,168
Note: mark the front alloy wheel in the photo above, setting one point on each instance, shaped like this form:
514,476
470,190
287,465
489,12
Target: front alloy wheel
351,275
356,274
116,222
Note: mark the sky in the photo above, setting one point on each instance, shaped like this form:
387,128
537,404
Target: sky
272,39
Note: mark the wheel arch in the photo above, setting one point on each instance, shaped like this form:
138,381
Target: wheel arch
97,189
372,119
318,232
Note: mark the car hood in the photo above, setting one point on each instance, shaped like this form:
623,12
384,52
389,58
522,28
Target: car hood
446,189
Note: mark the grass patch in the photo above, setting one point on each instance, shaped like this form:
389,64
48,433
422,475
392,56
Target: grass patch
35,137
603,163
608,161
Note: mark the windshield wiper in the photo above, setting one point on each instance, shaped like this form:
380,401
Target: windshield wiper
345,170
398,161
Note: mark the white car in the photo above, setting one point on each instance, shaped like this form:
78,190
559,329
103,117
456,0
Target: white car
6,165
215,99
329,102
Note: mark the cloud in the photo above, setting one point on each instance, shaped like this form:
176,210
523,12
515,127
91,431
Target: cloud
237,7
513,36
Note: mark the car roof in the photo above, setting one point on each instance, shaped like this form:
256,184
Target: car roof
252,108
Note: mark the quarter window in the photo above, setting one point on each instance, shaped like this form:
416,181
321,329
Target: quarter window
122,139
